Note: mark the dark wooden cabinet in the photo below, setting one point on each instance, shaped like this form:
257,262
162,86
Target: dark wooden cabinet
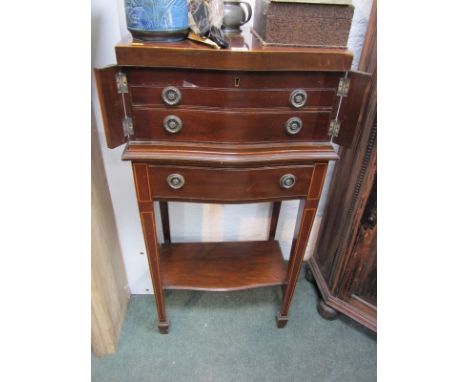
344,264
240,125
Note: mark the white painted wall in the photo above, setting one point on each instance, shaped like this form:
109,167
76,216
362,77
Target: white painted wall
189,221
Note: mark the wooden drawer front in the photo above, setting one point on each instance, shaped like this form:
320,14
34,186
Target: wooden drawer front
230,126
229,185
231,98
231,80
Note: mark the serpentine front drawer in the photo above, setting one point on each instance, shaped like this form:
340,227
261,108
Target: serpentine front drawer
228,97
230,126
236,185
199,78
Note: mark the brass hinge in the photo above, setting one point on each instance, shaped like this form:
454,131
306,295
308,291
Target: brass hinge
343,87
122,86
127,124
334,128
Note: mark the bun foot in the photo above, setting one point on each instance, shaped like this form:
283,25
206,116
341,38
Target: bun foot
163,327
281,321
326,311
308,275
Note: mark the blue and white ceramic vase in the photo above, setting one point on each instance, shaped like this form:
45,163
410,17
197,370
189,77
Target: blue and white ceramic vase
157,20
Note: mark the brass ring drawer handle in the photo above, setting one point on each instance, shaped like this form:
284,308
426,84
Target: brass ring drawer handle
293,125
298,98
175,181
172,124
287,181
171,95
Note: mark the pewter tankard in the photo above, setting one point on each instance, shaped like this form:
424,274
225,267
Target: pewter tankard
235,15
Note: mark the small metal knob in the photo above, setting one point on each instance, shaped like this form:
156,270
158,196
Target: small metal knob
287,181
298,98
171,95
172,124
293,125
175,181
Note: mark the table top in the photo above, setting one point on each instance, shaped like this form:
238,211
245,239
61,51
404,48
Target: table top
230,155
246,52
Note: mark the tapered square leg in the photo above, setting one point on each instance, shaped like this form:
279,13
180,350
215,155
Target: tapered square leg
281,321
163,327
164,208
148,224
275,211
304,222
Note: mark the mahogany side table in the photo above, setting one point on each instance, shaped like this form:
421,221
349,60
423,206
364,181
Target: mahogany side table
241,125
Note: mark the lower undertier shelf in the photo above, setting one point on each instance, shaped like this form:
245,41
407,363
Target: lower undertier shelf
222,266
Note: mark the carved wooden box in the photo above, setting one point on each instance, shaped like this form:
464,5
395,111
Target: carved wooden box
299,23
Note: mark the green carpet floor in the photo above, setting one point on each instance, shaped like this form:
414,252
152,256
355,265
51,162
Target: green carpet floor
233,337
